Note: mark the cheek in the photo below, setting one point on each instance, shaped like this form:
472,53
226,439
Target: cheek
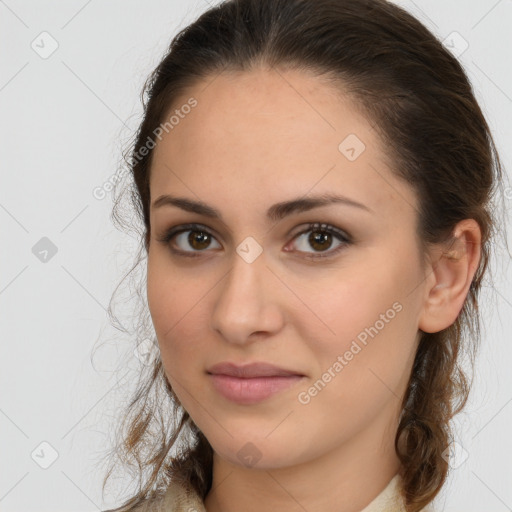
369,319
170,295
174,305
360,374
373,297
341,305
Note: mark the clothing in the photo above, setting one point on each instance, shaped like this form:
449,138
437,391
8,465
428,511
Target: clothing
389,500
180,498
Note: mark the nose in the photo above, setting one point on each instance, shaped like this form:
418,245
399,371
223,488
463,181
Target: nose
246,307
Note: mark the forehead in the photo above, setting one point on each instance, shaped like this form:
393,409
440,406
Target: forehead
268,135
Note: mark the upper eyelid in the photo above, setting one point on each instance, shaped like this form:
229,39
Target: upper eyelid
305,226
339,233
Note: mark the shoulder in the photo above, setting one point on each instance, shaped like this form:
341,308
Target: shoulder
179,497
390,500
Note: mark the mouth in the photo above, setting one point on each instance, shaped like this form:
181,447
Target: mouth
251,390
253,383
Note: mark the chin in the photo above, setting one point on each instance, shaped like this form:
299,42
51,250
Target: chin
257,452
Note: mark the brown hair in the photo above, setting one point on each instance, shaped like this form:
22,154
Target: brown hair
419,99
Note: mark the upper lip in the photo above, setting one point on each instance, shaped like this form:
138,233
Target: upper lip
250,370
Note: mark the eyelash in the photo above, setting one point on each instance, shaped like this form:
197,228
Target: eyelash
323,228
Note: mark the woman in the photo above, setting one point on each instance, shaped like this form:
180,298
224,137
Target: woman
314,181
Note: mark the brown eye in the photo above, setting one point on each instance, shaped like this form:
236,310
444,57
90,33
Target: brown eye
198,240
193,239
321,238
189,239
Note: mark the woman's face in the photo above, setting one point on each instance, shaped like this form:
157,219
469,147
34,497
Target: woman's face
253,283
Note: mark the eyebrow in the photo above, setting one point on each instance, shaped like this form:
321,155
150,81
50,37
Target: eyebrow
276,212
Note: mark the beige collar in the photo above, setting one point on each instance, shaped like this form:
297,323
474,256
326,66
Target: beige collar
388,500
181,498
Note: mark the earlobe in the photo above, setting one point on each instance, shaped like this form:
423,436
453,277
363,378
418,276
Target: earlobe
454,266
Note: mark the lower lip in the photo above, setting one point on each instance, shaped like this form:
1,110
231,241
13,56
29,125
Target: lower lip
252,390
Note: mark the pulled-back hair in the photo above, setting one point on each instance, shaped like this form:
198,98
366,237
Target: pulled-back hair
416,95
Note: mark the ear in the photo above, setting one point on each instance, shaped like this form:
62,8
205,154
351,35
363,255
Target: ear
450,275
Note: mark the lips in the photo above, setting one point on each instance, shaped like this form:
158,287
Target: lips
251,370
252,383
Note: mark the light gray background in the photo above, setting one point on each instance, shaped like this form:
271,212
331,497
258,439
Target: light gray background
64,120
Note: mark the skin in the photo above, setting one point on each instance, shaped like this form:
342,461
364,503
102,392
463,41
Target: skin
255,139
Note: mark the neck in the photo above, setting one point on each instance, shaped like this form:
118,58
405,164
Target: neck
347,478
